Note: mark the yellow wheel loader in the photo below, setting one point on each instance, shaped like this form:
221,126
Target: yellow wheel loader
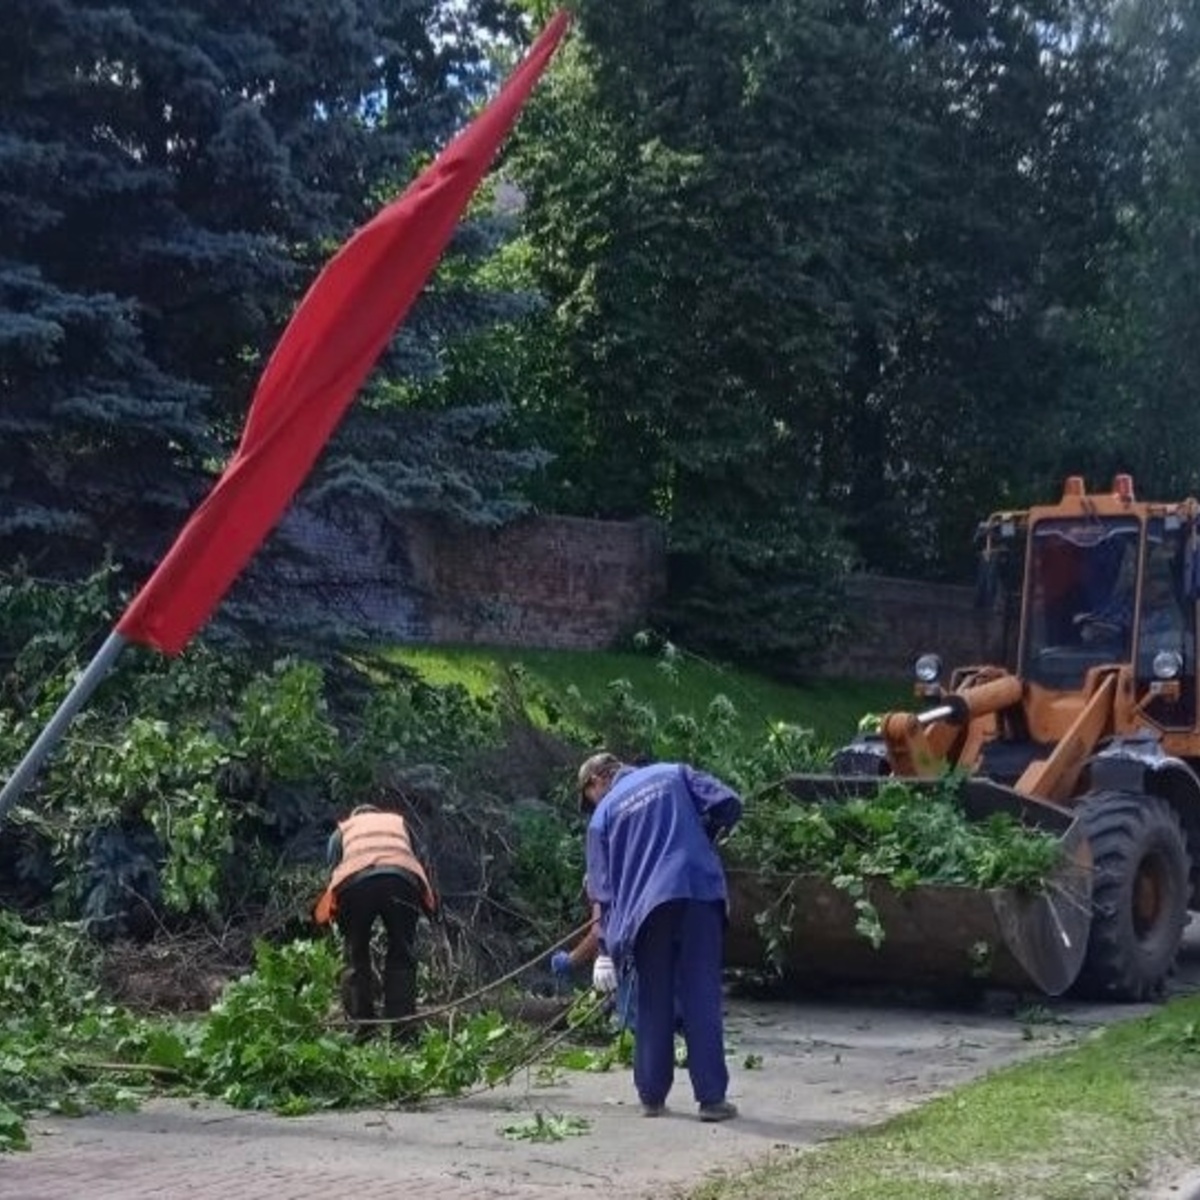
1089,730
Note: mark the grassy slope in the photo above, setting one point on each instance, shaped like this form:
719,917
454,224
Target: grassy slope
831,708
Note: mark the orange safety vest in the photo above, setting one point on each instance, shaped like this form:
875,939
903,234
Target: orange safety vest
373,839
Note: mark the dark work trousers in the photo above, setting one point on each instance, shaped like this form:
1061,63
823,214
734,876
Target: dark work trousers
679,952
395,898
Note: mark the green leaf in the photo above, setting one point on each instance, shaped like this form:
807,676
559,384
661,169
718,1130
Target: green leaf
542,1127
12,1130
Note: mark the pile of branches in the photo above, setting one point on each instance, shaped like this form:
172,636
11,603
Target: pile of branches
901,834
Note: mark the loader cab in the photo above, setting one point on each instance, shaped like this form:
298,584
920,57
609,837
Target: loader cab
1111,589
1080,597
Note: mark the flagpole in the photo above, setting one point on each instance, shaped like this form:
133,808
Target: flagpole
76,698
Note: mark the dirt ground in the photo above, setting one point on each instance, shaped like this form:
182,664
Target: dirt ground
803,1071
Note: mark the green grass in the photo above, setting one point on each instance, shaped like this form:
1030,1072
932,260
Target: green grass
1089,1123
684,684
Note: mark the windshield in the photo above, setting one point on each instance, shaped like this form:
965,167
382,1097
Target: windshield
1164,620
1167,625
1082,586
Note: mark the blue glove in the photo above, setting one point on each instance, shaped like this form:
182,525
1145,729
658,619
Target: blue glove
560,963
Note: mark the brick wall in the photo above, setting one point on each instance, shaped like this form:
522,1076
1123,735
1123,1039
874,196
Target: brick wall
566,582
348,567
897,619
557,582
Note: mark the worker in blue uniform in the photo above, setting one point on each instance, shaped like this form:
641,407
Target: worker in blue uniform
658,880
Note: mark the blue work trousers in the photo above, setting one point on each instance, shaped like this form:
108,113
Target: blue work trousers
678,954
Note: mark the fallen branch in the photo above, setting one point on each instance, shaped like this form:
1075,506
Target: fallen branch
86,1064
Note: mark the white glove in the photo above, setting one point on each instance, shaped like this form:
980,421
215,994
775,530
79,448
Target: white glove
604,974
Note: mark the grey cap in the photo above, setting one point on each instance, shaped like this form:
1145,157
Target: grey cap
603,763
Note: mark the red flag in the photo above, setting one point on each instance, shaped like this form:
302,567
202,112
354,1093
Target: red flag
334,339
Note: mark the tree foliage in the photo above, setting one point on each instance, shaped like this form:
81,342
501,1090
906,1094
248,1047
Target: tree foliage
817,261
171,177
814,283
1142,416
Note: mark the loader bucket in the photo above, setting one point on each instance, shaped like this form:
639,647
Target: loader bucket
934,936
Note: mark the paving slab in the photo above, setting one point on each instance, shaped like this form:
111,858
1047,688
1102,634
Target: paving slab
802,1072
816,1071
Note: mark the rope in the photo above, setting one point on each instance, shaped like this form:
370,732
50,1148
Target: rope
530,1057
454,1005
537,1050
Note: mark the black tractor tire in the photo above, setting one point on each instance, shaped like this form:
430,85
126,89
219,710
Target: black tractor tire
1139,896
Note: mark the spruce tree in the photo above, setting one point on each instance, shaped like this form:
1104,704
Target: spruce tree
172,176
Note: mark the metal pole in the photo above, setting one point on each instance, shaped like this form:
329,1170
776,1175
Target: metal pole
89,679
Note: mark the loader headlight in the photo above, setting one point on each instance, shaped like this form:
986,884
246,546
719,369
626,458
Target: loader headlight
1168,664
928,668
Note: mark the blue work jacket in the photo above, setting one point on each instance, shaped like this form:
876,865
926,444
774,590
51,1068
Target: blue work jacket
650,840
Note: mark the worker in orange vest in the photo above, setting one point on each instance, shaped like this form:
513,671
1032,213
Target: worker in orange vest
376,874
